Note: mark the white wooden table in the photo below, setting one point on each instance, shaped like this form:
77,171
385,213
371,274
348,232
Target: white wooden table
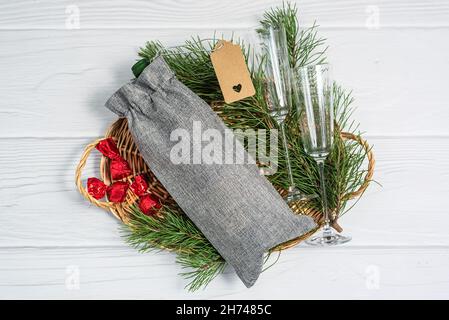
55,78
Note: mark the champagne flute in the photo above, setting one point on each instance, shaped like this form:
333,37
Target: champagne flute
313,91
278,92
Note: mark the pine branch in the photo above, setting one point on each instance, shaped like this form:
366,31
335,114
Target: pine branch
304,45
176,232
192,66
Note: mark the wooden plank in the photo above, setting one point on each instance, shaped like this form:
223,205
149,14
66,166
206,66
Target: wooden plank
40,205
216,14
63,78
54,83
39,201
301,273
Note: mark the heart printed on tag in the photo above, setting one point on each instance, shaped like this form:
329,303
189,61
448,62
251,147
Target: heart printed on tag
231,71
237,87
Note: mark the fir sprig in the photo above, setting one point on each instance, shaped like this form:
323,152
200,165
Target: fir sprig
192,66
304,44
176,232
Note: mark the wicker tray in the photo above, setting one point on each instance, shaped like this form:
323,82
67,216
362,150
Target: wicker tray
128,150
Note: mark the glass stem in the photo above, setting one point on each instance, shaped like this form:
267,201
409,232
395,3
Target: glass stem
287,156
327,221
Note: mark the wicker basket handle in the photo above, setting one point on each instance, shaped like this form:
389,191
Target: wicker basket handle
79,184
110,205
371,164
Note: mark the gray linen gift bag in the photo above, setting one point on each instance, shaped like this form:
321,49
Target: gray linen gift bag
236,208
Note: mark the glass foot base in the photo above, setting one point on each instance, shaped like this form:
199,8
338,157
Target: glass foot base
294,195
327,238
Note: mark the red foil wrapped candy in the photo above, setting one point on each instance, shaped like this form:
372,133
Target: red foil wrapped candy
117,191
96,188
139,186
108,148
120,169
149,204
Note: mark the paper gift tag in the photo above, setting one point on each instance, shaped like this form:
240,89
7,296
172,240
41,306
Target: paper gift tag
232,71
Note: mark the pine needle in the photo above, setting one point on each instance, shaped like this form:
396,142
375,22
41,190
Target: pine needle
192,66
176,232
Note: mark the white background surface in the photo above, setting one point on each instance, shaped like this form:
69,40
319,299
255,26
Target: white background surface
54,81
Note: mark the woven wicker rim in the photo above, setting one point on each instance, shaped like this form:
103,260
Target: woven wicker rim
119,131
